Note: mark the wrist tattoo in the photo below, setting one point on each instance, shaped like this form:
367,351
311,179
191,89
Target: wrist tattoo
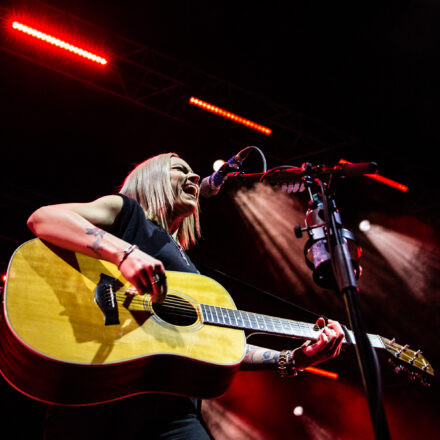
269,357
259,356
99,234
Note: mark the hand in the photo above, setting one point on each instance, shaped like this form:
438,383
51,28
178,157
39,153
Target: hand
145,273
327,346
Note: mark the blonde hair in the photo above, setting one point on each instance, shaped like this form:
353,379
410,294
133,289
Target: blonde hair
149,184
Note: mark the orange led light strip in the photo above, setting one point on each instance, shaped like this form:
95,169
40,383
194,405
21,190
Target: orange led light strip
228,115
59,43
383,179
324,373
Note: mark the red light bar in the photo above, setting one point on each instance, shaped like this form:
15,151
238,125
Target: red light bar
324,373
57,42
228,115
383,179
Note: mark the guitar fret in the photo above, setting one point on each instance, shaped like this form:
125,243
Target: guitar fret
231,317
271,323
253,321
225,316
268,324
260,322
216,315
245,315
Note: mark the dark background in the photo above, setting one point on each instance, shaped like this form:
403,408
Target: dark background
357,81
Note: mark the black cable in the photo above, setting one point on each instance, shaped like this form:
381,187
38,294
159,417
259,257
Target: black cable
258,290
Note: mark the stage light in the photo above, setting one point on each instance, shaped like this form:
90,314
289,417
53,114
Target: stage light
217,164
58,43
383,179
298,411
4,278
416,261
364,226
321,372
228,115
223,423
270,216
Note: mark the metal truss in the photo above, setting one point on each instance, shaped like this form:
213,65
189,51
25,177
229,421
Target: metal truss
163,85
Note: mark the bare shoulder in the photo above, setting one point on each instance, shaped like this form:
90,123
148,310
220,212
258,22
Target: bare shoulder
101,212
112,203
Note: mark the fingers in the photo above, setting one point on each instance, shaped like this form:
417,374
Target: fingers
146,274
158,283
320,322
328,343
331,338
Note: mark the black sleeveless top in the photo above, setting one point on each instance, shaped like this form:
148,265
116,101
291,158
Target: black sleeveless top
132,226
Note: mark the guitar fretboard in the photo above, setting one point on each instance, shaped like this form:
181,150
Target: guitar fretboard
230,318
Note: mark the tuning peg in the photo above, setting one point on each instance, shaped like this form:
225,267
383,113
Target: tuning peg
402,350
416,355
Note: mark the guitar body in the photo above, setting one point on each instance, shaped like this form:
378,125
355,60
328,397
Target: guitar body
60,345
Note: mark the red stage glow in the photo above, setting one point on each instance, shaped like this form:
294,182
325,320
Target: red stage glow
383,179
324,373
228,115
57,42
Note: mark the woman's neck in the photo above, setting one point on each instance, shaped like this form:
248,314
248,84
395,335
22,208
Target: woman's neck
173,228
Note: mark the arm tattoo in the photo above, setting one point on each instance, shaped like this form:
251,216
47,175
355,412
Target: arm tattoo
99,234
259,358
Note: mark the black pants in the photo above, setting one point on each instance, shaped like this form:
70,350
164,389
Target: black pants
140,417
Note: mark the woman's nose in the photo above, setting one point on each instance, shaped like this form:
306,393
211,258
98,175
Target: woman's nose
195,178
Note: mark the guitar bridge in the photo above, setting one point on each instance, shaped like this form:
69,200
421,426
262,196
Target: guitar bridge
106,299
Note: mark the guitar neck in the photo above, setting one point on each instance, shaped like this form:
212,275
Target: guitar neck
224,317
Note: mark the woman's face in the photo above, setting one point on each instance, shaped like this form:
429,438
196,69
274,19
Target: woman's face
185,187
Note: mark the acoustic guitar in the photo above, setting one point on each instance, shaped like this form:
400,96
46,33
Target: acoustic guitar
73,333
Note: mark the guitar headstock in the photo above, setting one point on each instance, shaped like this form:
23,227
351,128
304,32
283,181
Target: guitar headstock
414,360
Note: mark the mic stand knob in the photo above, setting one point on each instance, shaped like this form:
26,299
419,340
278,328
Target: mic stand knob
299,231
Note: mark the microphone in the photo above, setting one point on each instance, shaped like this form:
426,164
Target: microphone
210,186
344,168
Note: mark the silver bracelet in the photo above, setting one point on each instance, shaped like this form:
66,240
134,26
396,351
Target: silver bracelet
127,252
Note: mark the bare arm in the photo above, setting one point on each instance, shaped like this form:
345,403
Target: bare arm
83,227
327,346
259,358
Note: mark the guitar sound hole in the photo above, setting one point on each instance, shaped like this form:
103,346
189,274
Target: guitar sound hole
176,310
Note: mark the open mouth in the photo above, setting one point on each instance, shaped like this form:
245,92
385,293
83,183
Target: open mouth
190,190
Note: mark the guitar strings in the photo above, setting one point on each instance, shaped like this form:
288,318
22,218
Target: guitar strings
168,305
180,304
180,307
168,300
176,306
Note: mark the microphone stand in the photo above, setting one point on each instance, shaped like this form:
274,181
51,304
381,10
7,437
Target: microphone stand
336,268
345,281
